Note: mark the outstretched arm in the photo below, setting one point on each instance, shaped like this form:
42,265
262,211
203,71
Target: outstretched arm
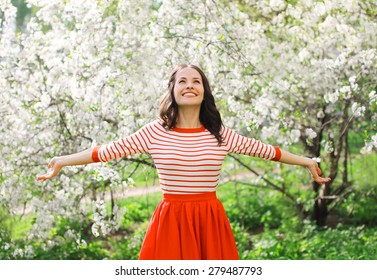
57,163
310,164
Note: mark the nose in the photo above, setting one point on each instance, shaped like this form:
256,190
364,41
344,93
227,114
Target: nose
189,85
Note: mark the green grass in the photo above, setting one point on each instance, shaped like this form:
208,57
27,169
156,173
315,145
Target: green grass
313,243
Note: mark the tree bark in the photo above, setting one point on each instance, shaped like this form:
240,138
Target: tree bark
323,199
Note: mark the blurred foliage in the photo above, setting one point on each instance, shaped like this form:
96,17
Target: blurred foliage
23,11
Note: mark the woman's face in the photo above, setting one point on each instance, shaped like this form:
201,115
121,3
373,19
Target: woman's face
188,87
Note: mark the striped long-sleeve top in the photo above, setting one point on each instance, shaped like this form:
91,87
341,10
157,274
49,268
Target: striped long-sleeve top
188,161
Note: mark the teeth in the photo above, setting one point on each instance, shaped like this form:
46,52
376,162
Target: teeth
189,94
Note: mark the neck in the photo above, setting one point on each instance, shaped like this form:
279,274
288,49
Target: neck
188,117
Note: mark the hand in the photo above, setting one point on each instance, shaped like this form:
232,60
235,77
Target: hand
54,167
316,173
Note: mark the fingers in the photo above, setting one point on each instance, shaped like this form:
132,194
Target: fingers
50,174
321,180
42,178
53,170
316,173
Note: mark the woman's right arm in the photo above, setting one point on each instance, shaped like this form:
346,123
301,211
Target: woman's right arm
57,163
133,144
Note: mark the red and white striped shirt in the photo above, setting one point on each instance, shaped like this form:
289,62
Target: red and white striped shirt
188,161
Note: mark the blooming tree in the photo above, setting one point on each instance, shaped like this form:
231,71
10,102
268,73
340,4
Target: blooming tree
85,72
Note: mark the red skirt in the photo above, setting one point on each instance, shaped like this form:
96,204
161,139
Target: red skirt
189,227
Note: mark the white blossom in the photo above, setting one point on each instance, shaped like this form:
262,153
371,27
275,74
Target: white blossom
303,54
6,246
369,146
372,96
320,114
310,133
357,110
332,97
320,9
29,252
81,243
18,253
295,135
95,231
277,4
329,147
130,181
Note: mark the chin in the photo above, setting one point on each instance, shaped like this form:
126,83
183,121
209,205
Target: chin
194,103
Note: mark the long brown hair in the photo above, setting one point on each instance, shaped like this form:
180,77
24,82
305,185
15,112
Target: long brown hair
209,116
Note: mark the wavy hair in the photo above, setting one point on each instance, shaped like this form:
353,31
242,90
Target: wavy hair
209,116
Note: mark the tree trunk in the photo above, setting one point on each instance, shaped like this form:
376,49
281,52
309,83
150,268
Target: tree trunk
320,212
112,203
321,202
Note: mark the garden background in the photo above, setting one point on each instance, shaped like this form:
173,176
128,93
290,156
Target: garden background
298,74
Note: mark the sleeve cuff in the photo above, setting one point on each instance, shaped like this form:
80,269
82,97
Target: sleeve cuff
95,157
277,154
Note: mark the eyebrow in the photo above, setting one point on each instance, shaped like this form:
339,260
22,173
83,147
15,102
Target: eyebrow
194,78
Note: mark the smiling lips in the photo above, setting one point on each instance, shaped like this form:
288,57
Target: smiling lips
189,94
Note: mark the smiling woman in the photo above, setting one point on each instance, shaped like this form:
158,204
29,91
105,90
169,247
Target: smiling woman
188,145
188,90
187,78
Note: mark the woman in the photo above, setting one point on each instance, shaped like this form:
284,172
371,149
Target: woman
188,144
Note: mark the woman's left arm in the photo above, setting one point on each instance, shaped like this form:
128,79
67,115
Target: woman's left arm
310,164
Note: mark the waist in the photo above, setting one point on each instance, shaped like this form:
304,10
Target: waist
189,197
